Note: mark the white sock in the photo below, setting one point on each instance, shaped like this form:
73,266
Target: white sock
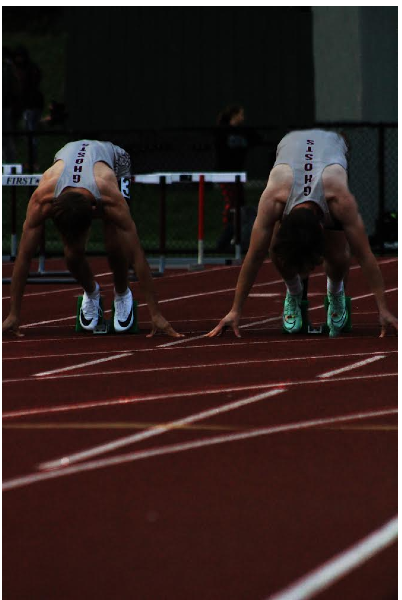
94,295
126,293
334,287
295,286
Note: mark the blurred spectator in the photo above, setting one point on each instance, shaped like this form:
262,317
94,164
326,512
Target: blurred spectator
232,141
11,104
57,115
29,76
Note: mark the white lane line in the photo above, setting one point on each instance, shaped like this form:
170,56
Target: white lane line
340,565
75,354
395,289
162,397
174,448
217,364
97,352
36,341
266,295
82,365
356,365
153,431
218,343
280,294
133,371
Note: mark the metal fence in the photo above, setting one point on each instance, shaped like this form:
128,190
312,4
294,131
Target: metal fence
373,164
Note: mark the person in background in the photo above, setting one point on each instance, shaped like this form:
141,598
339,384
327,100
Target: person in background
29,76
11,105
232,142
57,115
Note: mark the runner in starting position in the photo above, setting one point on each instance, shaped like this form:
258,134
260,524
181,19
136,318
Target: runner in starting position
307,216
81,185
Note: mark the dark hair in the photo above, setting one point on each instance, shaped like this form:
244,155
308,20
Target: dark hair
299,242
227,113
72,214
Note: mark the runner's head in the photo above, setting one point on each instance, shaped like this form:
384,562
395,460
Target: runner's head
72,214
299,242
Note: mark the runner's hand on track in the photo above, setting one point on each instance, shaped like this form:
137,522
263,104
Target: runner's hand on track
159,324
12,325
231,320
386,319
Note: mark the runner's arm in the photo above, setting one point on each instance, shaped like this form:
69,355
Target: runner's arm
30,238
346,211
269,212
118,212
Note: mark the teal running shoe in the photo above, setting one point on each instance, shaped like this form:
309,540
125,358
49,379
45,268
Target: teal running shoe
337,315
292,316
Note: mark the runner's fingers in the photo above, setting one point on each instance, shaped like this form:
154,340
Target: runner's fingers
216,332
170,331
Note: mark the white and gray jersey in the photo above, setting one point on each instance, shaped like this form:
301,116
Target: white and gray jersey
79,159
308,153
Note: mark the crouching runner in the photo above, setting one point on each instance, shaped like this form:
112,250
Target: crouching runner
82,184
307,216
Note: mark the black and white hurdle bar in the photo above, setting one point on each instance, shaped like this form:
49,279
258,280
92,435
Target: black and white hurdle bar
17,179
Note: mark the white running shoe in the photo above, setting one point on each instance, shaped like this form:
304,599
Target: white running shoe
90,312
123,312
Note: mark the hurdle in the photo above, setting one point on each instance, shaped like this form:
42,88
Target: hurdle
13,169
162,179
13,177
201,178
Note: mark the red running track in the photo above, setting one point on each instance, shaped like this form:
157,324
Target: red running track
140,468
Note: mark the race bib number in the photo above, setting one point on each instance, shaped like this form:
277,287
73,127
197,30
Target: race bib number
125,187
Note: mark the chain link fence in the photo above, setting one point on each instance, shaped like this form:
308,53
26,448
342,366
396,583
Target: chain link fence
373,177
373,161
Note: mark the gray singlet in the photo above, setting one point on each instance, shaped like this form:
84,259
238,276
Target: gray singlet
308,153
79,159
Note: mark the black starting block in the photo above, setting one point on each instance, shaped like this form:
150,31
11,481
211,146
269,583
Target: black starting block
105,326
307,327
102,328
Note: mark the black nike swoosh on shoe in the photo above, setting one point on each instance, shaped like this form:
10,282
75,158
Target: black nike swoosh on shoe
83,320
126,323
289,325
341,318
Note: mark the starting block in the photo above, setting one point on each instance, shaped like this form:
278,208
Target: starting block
105,326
